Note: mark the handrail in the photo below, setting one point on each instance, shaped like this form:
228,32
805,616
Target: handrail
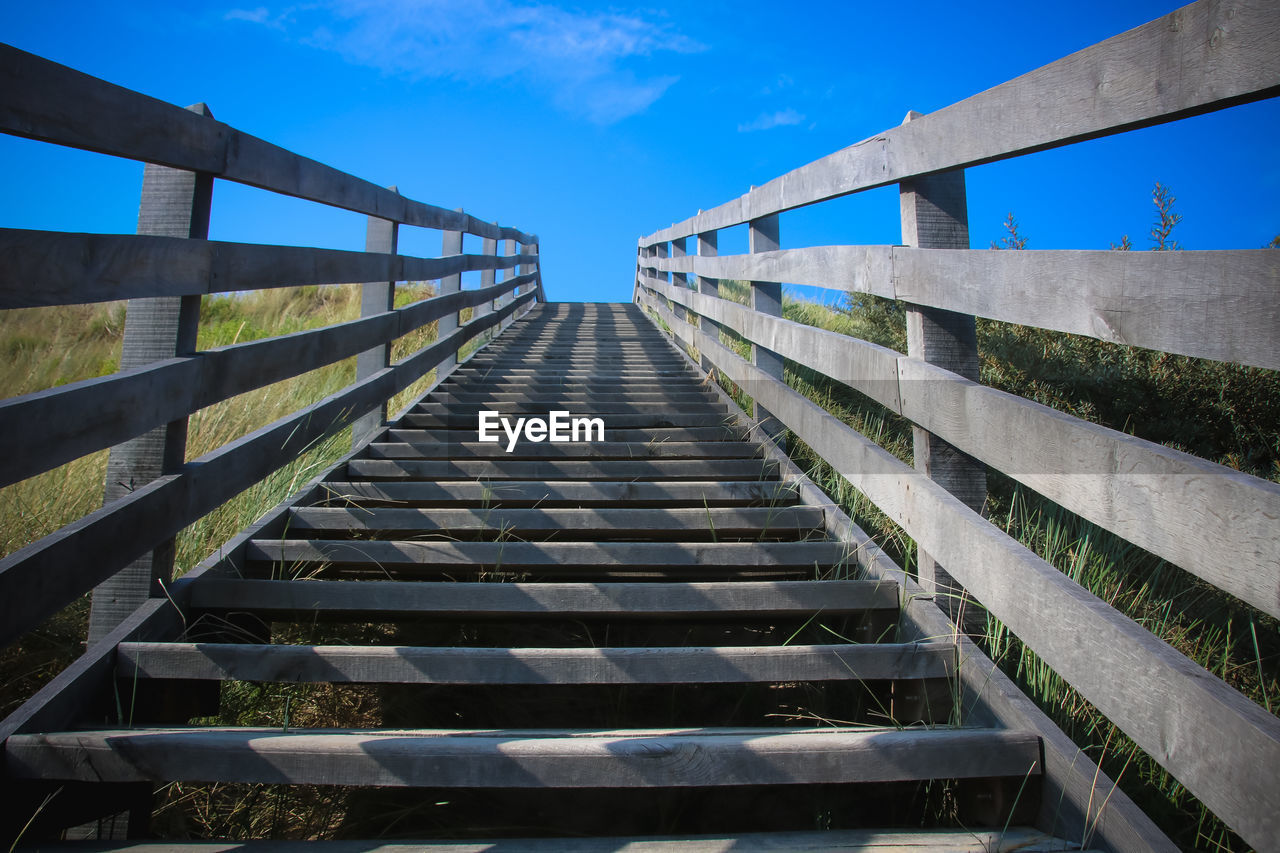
1196,59
1213,521
40,579
164,379
39,268
1223,305
53,103
1217,737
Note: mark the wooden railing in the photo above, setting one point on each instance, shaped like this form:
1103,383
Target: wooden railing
141,411
1218,523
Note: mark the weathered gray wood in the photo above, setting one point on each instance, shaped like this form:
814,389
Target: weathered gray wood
681,523
451,244
640,435
377,297
469,448
624,759
1199,58
1078,799
1206,518
1208,304
55,268
866,367
37,580
51,102
455,665
1220,745
428,556
935,215
724,599
1213,521
174,204
708,247
1011,839
766,299
131,401
441,419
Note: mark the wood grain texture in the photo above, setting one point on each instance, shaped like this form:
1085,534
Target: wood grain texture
1199,58
630,759
55,268
543,494
51,102
128,403
724,599
429,555
1220,745
35,581
460,665
1223,305
376,298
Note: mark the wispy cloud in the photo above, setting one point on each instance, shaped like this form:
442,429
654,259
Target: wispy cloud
767,121
590,64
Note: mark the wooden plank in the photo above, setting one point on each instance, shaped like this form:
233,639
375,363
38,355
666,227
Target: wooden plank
1129,674
642,435
1200,58
51,102
724,599
376,298
863,366
128,403
1213,521
935,215
1221,304
174,204
1078,799
435,758
524,449
554,666
566,469
544,494
1206,518
40,578
429,555
56,268
630,521
1012,839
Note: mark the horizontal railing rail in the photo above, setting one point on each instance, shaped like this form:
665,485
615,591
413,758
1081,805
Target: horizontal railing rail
1213,521
1200,58
158,387
53,103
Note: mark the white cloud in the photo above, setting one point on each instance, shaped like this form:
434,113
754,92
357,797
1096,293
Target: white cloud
589,64
767,121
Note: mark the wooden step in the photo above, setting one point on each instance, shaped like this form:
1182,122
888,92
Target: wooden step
1011,839
569,493
605,410
642,435
719,600
565,469
673,523
520,759
470,448
671,397
724,559
550,666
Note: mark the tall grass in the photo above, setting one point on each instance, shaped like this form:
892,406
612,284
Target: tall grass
47,347
1226,413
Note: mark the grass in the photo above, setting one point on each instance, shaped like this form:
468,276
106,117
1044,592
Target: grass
48,347
1227,413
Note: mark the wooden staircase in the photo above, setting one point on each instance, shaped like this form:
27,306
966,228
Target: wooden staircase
644,643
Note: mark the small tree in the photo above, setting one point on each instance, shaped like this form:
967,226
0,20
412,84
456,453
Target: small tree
1166,219
1012,240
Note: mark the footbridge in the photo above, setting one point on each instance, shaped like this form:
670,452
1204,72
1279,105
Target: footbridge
662,635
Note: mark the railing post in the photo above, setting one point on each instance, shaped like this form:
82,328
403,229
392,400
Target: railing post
766,297
376,297
450,244
680,279
513,248
488,278
935,216
175,203
708,242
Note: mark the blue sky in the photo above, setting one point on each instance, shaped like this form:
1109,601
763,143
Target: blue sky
593,124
